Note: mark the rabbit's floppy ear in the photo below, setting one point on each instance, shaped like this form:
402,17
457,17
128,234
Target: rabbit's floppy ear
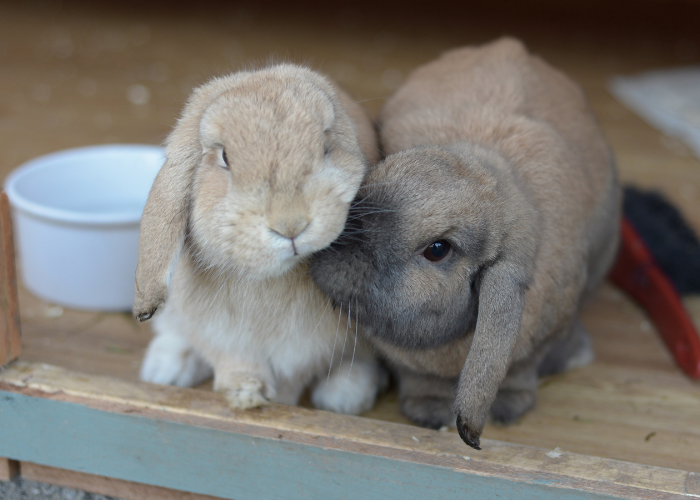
163,227
354,125
364,128
501,307
165,216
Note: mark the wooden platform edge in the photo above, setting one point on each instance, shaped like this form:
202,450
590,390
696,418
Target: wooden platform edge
190,440
9,469
104,485
10,344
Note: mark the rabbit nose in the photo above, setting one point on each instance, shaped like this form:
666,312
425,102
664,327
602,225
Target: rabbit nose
289,227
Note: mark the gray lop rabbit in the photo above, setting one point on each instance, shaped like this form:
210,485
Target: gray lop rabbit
260,172
472,247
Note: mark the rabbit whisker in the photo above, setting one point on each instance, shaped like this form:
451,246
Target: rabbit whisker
348,239
224,281
372,99
345,340
363,230
362,209
366,203
366,186
334,342
354,346
323,314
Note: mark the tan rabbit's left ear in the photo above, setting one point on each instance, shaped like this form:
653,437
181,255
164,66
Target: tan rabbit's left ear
165,216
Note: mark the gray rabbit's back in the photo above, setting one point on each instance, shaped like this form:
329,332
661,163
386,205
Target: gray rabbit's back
503,98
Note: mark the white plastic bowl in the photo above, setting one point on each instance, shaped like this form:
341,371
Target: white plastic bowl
76,218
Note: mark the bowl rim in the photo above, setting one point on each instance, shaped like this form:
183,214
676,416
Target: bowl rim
29,207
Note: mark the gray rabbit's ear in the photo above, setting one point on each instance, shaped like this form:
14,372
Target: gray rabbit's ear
166,214
501,306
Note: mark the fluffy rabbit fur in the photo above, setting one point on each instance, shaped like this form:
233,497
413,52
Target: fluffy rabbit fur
260,172
477,240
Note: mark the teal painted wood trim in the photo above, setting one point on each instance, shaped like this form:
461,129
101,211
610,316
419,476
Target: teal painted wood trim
230,465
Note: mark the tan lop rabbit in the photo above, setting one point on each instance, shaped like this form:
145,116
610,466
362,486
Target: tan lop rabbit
260,172
476,241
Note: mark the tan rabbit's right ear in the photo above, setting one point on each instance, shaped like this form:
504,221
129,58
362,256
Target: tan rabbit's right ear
165,216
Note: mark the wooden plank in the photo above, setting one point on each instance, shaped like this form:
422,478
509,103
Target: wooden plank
9,469
191,440
104,485
236,464
10,345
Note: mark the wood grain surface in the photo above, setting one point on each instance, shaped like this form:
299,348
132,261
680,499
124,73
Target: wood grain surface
125,490
74,74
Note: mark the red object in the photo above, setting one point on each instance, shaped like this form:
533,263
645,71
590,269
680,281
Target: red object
637,273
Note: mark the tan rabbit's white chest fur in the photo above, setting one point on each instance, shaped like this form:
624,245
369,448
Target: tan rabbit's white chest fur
260,173
236,329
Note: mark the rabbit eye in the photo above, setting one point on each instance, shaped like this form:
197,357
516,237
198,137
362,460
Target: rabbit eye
224,158
437,251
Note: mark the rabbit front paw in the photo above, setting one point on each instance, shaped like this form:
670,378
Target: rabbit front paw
171,360
244,391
